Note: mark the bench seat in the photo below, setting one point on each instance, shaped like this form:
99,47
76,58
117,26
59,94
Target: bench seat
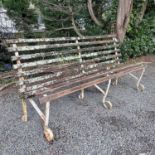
67,87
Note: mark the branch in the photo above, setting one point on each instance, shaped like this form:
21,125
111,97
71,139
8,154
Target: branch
54,19
63,28
74,25
54,7
142,12
91,12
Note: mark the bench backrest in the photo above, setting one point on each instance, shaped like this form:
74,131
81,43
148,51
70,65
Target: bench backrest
48,61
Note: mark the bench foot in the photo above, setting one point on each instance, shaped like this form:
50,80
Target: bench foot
140,86
24,118
107,105
24,109
48,134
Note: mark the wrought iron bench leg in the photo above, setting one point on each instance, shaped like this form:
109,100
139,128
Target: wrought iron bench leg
81,96
24,109
106,104
47,131
115,81
140,86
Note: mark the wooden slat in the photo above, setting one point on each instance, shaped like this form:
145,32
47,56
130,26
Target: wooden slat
56,53
21,40
60,81
91,75
58,74
50,46
58,60
9,74
68,72
55,68
57,87
56,84
85,85
21,79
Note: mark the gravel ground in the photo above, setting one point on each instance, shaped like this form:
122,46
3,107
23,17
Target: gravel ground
85,127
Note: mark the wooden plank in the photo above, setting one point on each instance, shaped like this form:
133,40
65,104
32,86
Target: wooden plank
71,70
57,53
58,84
21,79
85,85
9,74
55,68
86,77
61,59
51,79
95,73
21,40
50,46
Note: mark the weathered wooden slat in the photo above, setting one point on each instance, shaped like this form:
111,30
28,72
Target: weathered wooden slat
64,74
21,79
68,72
56,53
84,85
96,73
60,60
50,46
9,74
43,62
58,87
91,75
55,68
20,40
60,81
57,84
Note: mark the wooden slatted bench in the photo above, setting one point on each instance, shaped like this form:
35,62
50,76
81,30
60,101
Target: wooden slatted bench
51,68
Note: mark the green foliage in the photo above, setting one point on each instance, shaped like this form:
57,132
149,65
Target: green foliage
140,38
57,21
19,11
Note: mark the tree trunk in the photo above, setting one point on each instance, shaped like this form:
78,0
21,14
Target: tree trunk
123,17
